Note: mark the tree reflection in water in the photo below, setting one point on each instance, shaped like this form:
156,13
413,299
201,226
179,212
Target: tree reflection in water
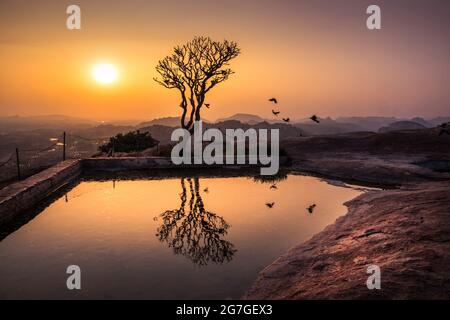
193,231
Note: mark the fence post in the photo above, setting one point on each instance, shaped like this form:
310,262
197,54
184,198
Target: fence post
64,146
113,147
18,164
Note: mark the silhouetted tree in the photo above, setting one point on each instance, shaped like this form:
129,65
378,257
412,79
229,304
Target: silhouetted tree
194,69
193,231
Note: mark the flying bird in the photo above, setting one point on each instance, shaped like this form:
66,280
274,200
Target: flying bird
274,100
275,112
206,190
314,118
286,119
274,186
311,208
270,204
207,105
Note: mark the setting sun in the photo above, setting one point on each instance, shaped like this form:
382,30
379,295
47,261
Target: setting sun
104,73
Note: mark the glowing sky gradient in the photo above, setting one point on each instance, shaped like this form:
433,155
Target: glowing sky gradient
315,56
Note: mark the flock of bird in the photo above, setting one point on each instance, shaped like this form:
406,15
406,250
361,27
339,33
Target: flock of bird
314,118
270,205
277,112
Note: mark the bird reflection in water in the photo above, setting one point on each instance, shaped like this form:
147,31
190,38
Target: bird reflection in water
272,180
193,231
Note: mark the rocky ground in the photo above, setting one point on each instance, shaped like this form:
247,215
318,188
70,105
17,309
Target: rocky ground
391,158
385,170
405,231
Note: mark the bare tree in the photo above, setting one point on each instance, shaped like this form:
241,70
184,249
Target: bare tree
195,232
194,69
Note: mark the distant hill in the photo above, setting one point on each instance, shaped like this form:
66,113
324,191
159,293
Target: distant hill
61,122
159,132
375,123
166,121
327,126
439,120
244,118
423,122
308,127
369,123
103,131
401,125
45,118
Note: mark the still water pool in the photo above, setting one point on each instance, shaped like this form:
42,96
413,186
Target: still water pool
171,238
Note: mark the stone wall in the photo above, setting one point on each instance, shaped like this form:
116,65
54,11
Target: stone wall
127,163
25,194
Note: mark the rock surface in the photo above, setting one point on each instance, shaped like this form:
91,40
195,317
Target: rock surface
402,125
389,158
393,170
406,232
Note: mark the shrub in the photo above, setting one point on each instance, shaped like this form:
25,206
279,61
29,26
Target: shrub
130,142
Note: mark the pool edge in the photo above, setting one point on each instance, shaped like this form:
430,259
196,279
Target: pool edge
27,193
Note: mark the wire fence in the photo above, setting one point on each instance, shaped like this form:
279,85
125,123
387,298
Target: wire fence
23,162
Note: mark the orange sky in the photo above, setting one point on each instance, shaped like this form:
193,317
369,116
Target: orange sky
314,56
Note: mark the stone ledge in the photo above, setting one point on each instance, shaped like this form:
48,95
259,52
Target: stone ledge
127,163
25,194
